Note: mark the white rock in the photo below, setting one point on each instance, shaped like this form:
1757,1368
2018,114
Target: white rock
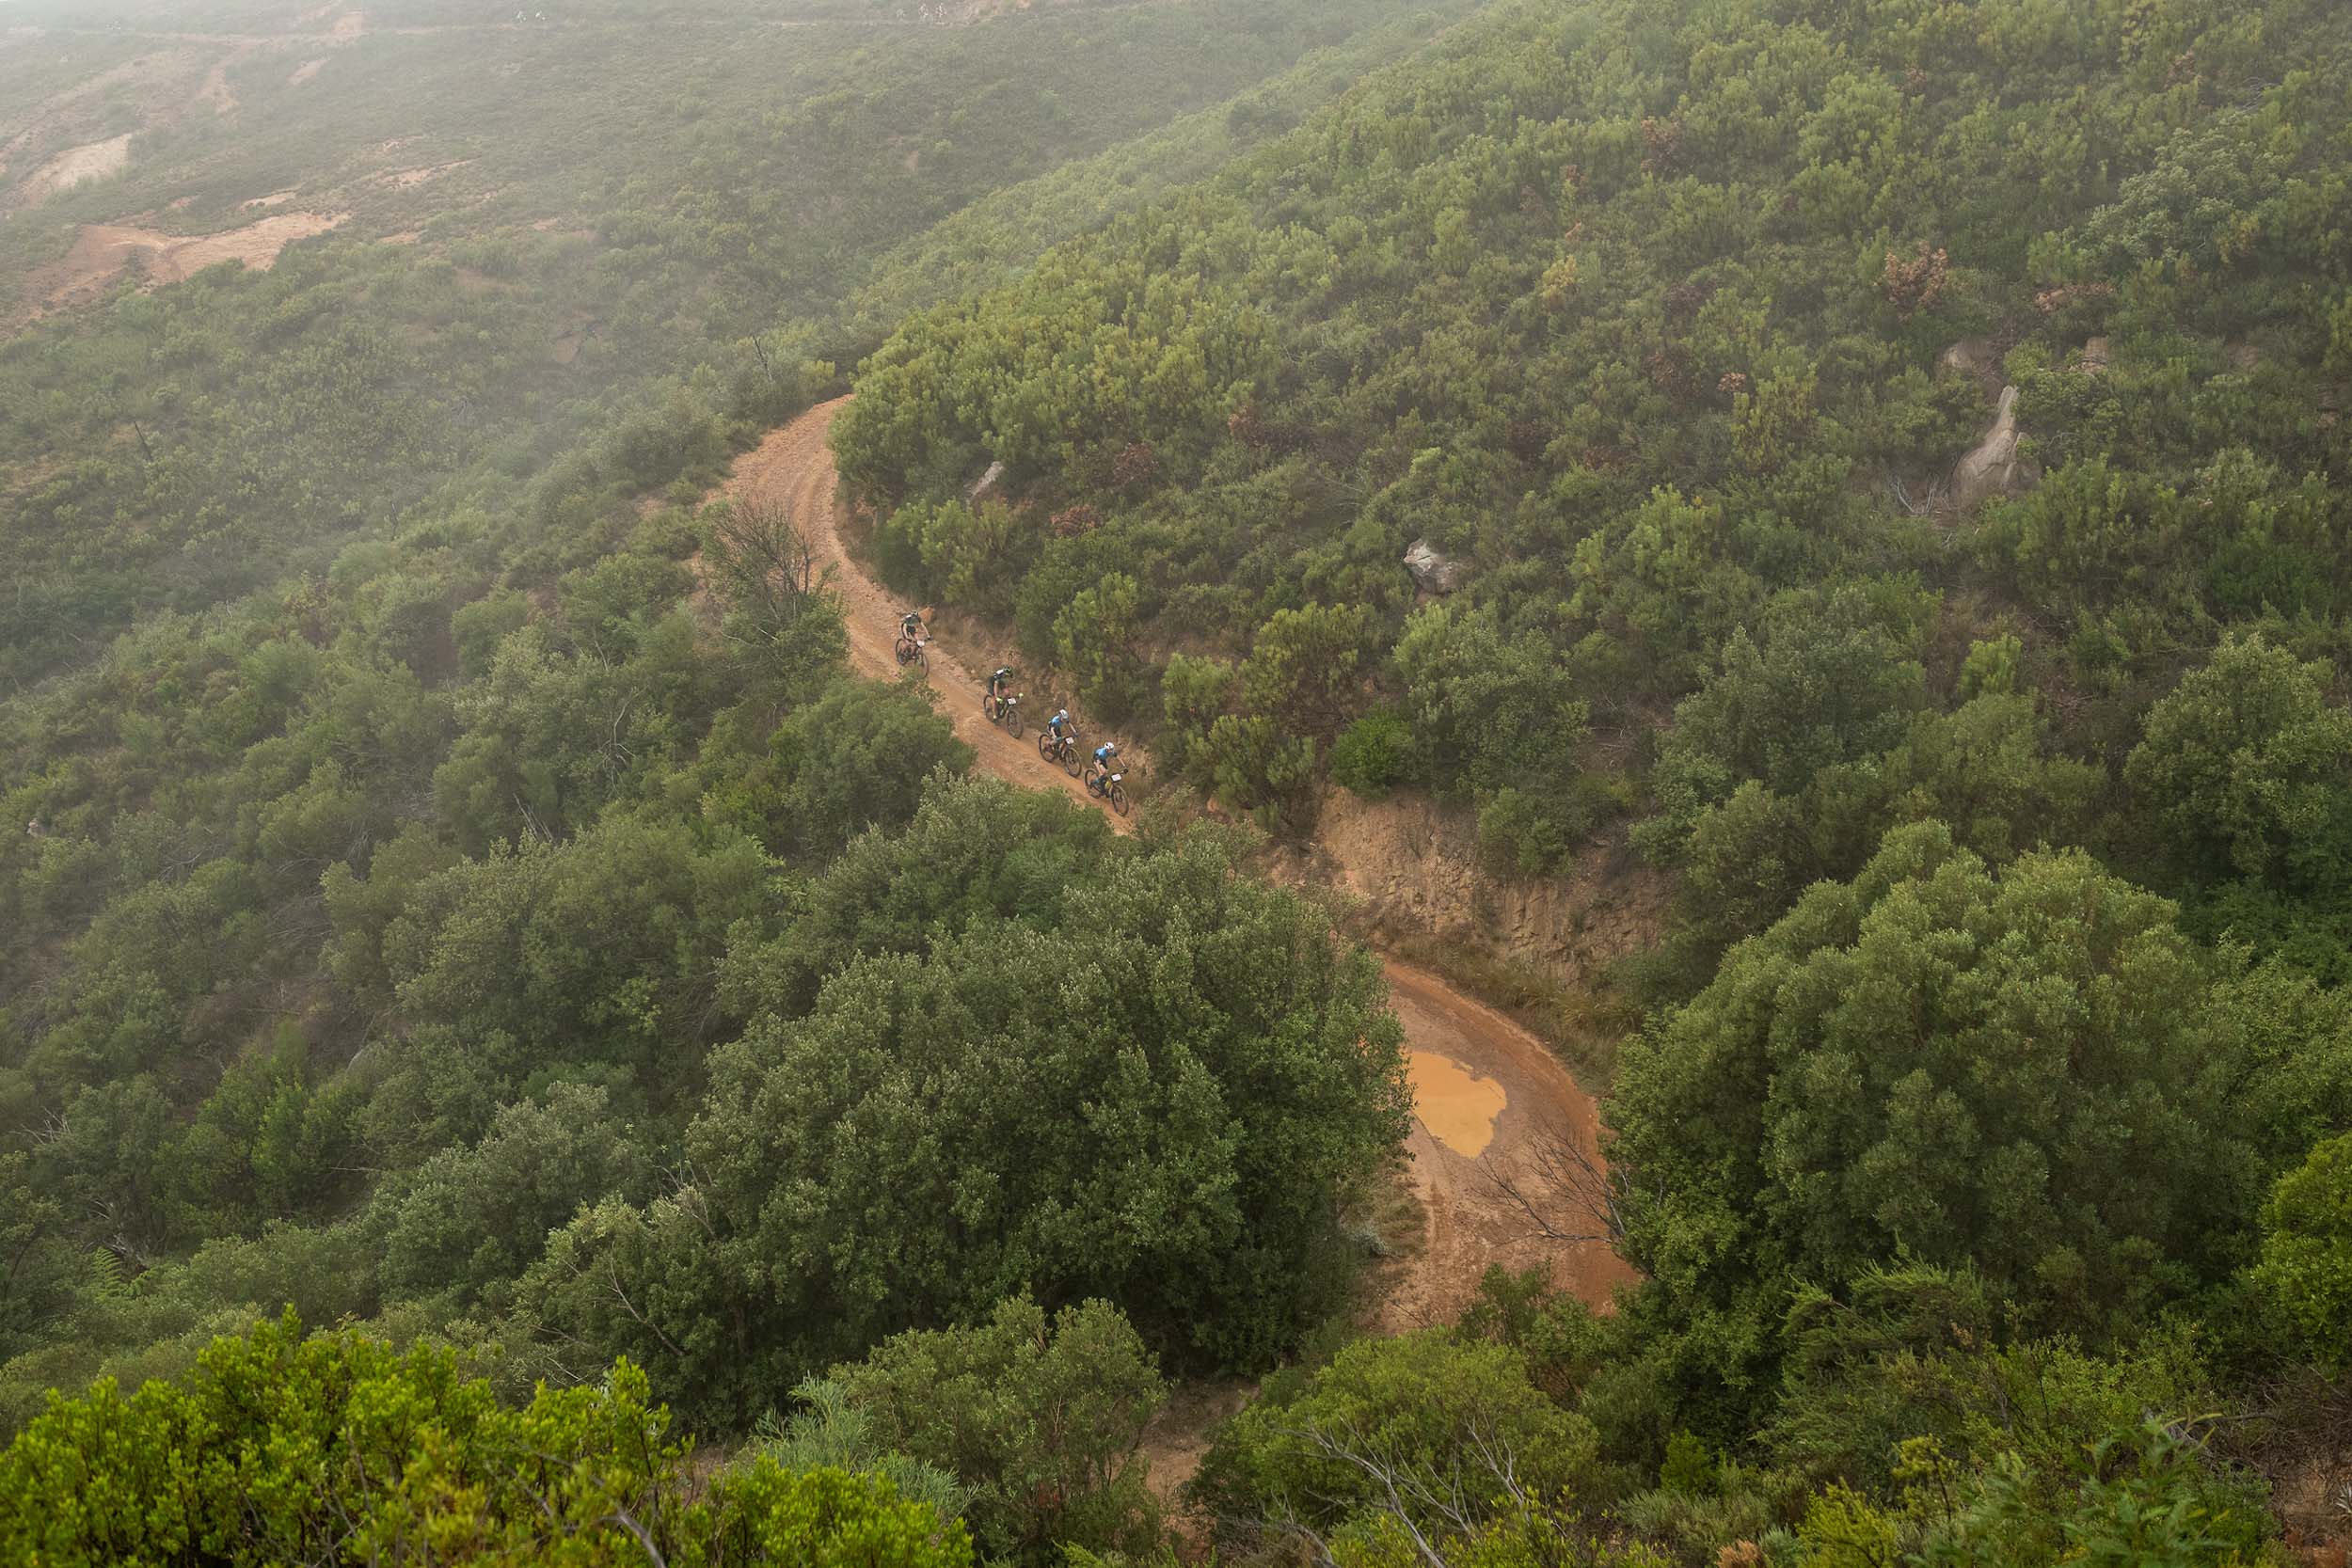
1994,469
1432,572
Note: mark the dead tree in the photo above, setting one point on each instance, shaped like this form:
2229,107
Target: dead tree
764,565
1570,1197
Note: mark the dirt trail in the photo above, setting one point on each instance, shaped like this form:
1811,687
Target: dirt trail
1471,1063
795,467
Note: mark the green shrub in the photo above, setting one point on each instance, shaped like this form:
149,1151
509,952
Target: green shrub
1372,754
2305,1269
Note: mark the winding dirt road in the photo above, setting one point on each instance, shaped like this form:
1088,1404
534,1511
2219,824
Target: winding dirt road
1490,1098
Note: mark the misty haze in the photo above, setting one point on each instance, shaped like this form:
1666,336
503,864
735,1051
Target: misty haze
1118,784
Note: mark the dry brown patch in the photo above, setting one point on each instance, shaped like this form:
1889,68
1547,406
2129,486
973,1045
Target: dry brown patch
348,27
1177,1438
101,252
407,179
275,199
152,80
407,236
304,72
76,165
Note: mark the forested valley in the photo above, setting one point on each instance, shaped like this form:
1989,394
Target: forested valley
520,1043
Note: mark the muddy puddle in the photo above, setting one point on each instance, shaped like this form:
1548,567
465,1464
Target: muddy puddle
1458,1106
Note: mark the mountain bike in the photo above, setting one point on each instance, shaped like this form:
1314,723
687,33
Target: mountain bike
1108,786
1002,710
909,651
1064,751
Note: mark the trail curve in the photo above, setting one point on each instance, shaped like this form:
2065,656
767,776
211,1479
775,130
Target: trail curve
1469,1222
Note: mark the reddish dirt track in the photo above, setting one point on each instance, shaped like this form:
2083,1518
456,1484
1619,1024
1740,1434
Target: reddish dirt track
1468,1223
795,467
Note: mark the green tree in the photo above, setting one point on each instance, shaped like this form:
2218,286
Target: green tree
979,852
1159,1102
2305,1272
281,1447
1302,670
1498,719
1935,1060
856,758
1094,638
2246,768
472,1219
1372,754
1396,1427
1041,1417
38,1282
595,951
1831,685
2142,1494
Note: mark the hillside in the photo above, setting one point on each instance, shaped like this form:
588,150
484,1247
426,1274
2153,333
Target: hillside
1886,478
1795,548
356,602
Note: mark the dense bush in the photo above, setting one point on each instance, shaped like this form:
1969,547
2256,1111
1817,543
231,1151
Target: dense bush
279,1447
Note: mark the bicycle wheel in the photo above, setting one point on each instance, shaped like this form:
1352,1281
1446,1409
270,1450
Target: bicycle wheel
1118,797
1072,756
987,707
1045,745
1013,722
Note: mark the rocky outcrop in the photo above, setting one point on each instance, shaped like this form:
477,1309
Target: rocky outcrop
1976,360
986,483
1994,468
1433,571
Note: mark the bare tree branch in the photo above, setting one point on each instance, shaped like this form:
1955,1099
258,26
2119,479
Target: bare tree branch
764,563
621,1516
1569,1197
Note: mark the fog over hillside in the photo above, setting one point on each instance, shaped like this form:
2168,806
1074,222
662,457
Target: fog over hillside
1472,783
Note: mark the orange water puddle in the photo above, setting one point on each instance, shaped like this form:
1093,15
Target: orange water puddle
1455,1104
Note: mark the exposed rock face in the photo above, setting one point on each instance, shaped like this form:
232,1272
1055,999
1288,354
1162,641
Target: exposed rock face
986,482
1432,572
1418,869
1973,359
1994,469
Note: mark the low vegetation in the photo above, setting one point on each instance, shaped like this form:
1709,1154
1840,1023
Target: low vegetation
510,1052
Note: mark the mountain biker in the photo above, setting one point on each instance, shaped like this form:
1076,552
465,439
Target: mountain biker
1103,756
911,627
998,683
1060,725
